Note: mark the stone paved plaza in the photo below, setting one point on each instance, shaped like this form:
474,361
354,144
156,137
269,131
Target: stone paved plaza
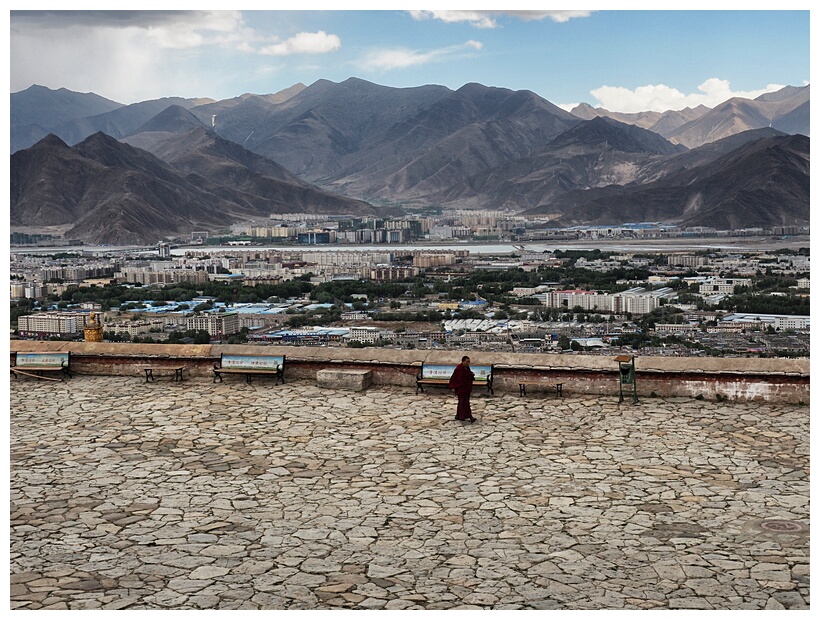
126,495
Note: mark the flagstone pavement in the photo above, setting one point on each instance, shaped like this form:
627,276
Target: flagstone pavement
127,495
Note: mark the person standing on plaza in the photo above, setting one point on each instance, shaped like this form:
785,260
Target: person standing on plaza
461,382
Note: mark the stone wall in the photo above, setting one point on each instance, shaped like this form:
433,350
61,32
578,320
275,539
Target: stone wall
743,379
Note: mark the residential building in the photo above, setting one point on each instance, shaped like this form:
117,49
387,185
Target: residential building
367,335
792,322
49,324
215,323
354,315
686,260
724,286
133,328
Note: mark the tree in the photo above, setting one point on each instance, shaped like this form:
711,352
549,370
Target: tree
112,336
22,307
470,314
239,338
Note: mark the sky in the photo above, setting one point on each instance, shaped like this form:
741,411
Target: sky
624,60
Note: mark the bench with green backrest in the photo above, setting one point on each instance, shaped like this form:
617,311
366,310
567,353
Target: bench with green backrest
438,375
250,365
32,364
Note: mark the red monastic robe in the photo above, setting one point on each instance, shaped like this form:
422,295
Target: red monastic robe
462,382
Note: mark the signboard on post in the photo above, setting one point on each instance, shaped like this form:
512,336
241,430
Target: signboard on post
626,376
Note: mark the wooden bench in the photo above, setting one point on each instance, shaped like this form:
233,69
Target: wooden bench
250,365
177,370
438,375
31,364
522,387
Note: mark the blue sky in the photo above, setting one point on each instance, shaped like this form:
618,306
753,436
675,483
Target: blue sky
628,60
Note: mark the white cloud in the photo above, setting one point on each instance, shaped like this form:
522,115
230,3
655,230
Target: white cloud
132,56
478,19
166,29
396,58
401,58
487,19
660,98
556,16
209,28
304,43
122,55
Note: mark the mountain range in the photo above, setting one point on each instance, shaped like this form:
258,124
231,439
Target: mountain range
111,192
202,164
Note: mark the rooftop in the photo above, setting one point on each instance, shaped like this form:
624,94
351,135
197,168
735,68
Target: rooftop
216,496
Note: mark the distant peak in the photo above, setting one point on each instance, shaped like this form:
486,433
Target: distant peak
475,86
51,141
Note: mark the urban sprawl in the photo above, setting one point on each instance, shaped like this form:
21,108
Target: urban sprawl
230,288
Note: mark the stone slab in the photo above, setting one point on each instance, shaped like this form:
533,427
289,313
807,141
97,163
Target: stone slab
344,379
211,496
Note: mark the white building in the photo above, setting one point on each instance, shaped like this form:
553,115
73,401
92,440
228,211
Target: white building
725,286
778,321
47,324
367,335
792,322
28,290
354,315
215,323
635,300
133,328
146,275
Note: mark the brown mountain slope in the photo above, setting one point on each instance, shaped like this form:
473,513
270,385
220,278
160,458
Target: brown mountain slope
199,152
663,123
111,192
591,154
762,183
474,130
738,114
786,109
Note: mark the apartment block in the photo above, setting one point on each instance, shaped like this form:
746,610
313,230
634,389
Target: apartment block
722,285
215,323
48,324
134,328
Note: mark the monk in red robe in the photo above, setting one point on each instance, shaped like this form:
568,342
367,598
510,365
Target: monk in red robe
461,382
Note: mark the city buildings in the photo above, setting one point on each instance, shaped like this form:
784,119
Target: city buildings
637,300
46,325
683,280
217,324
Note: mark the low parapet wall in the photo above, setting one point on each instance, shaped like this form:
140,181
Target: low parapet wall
744,379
